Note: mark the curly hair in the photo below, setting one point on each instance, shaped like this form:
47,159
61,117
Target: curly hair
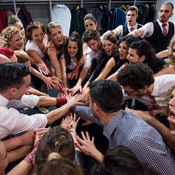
171,58
136,76
73,37
34,25
8,33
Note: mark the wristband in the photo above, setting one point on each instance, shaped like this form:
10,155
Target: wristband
60,101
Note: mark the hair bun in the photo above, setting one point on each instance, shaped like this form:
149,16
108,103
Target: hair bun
53,156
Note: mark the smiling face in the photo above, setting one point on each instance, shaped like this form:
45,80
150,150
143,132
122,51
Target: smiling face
90,24
123,50
165,13
172,104
16,42
109,47
131,17
38,36
56,35
72,48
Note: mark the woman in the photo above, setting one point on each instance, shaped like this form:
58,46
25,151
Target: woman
56,153
72,60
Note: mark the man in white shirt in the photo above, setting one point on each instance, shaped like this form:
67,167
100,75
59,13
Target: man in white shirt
15,80
159,33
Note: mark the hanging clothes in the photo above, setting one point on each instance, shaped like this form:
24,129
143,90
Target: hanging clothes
3,20
143,13
62,15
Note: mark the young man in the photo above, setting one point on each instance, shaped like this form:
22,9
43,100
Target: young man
15,80
123,128
94,53
131,25
159,33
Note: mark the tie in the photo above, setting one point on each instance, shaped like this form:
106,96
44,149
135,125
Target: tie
132,28
164,30
153,102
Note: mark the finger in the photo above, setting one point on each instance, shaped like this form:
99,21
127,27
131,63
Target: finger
87,135
75,116
78,146
83,136
78,119
93,140
79,140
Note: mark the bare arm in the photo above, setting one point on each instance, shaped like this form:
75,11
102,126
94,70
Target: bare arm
63,70
165,70
162,54
137,33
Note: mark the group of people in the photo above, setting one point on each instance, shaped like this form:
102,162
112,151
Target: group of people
125,87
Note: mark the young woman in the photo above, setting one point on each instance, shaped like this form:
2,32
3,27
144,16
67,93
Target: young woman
72,60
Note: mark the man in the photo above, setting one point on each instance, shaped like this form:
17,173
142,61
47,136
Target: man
138,82
15,80
123,128
131,25
159,33
94,52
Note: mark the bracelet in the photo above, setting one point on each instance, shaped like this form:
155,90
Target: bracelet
61,101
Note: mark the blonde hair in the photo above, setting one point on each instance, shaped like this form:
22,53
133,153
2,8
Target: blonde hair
52,25
8,33
171,58
22,57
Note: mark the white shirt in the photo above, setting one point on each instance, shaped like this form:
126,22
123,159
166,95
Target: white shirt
13,122
161,86
119,29
148,29
31,45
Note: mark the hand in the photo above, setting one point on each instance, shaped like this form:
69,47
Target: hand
86,96
43,69
30,91
28,138
3,41
86,86
57,82
75,100
65,123
74,122
73,74
75,89
49,82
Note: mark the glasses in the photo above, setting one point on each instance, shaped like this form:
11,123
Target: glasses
128,93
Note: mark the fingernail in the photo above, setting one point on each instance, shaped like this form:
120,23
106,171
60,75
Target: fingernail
86,131
81,131
76,135
75,143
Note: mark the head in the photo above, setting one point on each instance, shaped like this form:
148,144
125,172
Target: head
141,51
92,38
14,38
109,44
3,158
132,15
135,79
73,47
123,45
105,94
90,22
58,141
120,160
15,80
165,12
55,33
7,55
13,20
35,31
171,53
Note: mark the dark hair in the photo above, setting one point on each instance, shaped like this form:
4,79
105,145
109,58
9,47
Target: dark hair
11,75
57,140
120,160
107,94
90,16
135,75
169,4
132,8
73,37
144,48
128,39
111,38
34,25
90,34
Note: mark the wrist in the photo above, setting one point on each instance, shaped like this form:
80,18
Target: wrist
61,101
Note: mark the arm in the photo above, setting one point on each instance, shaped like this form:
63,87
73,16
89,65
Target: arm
137,33
55,63
162,54
165,70
63,70
25,139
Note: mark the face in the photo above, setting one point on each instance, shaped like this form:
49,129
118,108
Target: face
20,26
172,104
134,93
89,24
72,48
165,13
38,36
91,106
94,45
23,89
123,50
56,35
3,158
133,56
16,42
109,47
131,17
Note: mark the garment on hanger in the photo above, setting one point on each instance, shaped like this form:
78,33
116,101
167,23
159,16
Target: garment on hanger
3,19
62,15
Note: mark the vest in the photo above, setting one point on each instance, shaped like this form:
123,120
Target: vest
158,41
125,29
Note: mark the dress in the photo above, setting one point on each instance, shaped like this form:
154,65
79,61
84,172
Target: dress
128,130
13,122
